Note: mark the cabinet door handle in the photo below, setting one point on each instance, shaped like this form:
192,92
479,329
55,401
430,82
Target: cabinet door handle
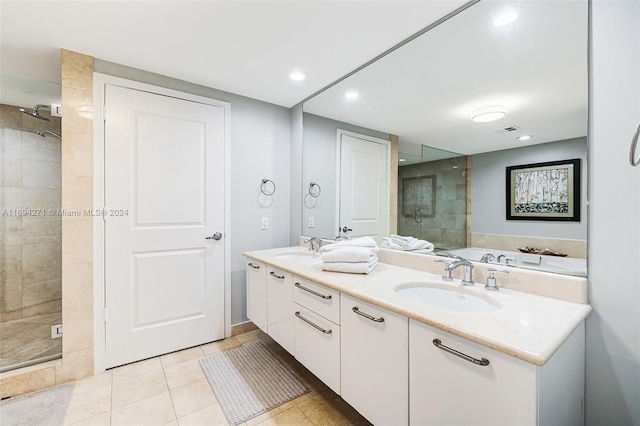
438,344
315,293
273,274
254,266
367,316
634,146
316,326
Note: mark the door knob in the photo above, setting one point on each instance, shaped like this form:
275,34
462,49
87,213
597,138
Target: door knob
217,236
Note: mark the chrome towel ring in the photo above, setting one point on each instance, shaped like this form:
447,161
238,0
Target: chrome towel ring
634,159
264,187
314,189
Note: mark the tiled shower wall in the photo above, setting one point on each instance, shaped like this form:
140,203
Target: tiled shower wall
30,243
439,188
30,250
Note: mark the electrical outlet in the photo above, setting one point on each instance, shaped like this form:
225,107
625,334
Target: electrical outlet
265,223
312,222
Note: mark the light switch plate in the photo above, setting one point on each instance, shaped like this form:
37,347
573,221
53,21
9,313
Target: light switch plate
265,223
312,222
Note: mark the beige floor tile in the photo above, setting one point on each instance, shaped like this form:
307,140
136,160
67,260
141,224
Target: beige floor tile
156,410
292,416
192,397
125,392
327,408
183,373
130,371
93,382
221,345
271,413
88,404
250,336
181,356
101,420
210,416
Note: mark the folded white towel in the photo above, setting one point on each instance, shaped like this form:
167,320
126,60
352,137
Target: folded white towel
397,242
350,268
349,254
356,242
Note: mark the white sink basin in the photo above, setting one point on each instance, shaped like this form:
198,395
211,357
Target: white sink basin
441,298
296,255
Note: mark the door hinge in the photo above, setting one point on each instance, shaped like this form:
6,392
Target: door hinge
104,316
104,113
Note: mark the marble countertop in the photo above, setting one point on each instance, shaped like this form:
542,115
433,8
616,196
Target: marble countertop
526,326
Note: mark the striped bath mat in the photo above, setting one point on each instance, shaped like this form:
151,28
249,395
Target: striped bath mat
249,381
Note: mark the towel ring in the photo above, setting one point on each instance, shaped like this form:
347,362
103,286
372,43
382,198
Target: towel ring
315,193
634,146
263,187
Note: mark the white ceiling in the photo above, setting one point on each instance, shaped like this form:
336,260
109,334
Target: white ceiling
425,91
243,47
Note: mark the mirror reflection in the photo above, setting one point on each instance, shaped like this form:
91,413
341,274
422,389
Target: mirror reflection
432,101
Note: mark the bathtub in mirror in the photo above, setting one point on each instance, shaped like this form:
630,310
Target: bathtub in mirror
30,224
421,97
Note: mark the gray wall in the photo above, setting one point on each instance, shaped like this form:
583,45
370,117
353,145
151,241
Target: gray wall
260,134
319,166
613,328
488,182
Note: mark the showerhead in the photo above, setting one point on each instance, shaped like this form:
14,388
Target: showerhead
44,133
34,112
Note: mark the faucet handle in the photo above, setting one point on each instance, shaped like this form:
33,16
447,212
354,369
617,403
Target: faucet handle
446,273
491,279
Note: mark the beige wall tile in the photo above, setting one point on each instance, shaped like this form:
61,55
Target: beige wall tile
77,154
77,70
77,333
77,241
78,285
41,262
11,230
76,104
11,175
75,365
10,117
10,294
42,229
45,308
77,195
10,259
41,292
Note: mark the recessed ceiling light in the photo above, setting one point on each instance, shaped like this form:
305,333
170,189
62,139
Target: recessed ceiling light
505,18
351,94
490,113
524,137
298,75
402,160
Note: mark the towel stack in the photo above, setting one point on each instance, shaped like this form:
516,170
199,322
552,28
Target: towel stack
356,256
410,244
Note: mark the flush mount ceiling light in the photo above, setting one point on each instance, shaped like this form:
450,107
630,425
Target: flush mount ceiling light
505,18
490,113
351,94
402,160
524,137
297,75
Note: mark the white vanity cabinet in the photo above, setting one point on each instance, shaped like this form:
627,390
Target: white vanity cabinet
451,385
257,293
374,361
280,307
317,330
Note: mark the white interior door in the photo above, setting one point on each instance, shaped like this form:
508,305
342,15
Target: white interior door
164,194
363,184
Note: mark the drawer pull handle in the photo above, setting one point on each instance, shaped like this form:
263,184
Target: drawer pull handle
312,324
273,274
315,293
438,344
367,316
254,266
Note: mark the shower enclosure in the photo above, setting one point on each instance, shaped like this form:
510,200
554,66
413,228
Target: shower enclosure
432,202
30,236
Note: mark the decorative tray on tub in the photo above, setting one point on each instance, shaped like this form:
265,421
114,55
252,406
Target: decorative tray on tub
545,252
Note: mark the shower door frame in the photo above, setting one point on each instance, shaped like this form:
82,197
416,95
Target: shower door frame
100,81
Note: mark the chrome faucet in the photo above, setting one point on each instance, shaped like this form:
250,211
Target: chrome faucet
468,266
488,257
314,243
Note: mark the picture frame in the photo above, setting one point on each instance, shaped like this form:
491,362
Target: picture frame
544,191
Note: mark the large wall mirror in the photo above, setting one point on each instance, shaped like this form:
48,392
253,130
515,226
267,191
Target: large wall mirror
524,61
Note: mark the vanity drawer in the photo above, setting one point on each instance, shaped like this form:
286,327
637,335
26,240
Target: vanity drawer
317,346
318,298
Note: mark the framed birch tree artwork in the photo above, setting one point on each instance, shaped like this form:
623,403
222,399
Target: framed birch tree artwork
544,191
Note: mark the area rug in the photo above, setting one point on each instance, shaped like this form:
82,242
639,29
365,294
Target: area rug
43,408
249,381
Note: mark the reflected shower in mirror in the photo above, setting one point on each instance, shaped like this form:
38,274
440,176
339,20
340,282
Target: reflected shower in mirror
433,93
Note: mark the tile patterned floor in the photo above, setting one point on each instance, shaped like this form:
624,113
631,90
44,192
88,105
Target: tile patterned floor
29,339
172,390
